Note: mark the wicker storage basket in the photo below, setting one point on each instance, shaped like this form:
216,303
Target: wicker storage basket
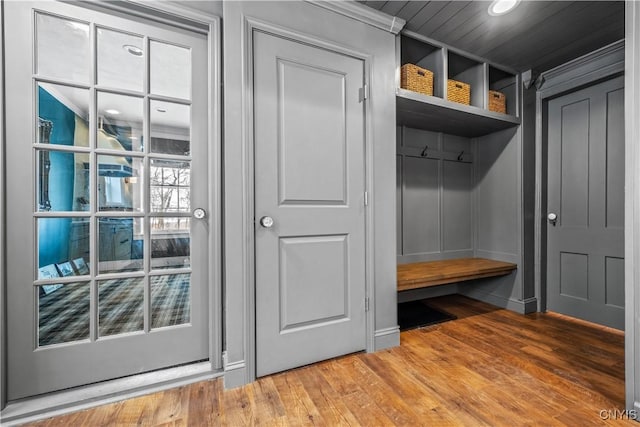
497,102
458,92
416,79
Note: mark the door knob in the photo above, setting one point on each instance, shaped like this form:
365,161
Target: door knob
199,213
553,218
266,222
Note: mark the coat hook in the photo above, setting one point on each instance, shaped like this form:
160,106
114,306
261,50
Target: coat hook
460,156
424,152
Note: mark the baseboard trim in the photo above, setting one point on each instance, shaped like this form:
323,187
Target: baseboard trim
530,305
235,374
81,398
386,338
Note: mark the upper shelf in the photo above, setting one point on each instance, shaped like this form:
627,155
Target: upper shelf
436,114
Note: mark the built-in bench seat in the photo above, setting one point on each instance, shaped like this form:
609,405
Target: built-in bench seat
433,273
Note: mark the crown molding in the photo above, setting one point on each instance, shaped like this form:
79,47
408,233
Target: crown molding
359,12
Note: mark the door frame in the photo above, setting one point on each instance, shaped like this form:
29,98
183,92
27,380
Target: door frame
248,191
91,395
601,64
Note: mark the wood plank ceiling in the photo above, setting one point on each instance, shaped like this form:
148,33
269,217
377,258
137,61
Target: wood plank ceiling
537,35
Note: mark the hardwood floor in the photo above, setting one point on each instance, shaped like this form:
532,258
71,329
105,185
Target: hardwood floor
489,367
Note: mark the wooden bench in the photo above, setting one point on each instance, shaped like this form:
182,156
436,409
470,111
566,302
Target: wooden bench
433,273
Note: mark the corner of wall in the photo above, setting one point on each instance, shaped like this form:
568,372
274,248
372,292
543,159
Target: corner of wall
3,282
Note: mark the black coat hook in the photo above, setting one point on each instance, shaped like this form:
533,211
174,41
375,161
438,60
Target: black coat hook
460,156
424,152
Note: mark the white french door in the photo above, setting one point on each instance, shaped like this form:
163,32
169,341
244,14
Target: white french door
106,135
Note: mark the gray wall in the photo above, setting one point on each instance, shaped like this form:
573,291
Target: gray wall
3,280
434,201
454,207
316,22
632,198
498,200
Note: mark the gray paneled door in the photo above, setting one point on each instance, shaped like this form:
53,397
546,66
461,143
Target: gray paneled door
309,204
585,276
107,154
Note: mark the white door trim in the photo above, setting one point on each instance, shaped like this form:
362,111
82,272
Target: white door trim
94,395
241,373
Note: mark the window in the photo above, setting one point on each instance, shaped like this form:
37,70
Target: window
170,185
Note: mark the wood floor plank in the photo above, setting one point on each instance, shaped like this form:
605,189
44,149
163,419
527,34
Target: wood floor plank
489,367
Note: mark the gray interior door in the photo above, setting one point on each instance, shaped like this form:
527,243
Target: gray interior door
106,136
585,276
309,204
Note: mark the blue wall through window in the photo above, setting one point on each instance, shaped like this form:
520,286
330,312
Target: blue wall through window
53,235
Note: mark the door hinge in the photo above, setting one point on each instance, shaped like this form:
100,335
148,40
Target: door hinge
366,198
364,93
366,304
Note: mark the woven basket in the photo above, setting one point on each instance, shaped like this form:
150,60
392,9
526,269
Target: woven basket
458,92
497,102
416,79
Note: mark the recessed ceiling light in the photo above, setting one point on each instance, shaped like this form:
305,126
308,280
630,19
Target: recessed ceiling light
500,7
133,50
161,110
112,112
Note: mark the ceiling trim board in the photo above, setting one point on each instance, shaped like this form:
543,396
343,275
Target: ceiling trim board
479,38
583,46
411,9
551,30
445,15
393,7
461,20
362,13
427,12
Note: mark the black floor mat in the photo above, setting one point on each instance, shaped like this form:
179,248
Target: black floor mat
415,314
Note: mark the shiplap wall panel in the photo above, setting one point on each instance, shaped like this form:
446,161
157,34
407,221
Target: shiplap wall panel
410,9
536,35
435,208
393,7
457,186
421,206
444,15
498,193
555,31
489,34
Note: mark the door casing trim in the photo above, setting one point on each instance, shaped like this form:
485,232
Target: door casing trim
202,23
251,24
588,69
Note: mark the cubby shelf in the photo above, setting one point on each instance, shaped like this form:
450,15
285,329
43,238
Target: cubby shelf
437,113
420,111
